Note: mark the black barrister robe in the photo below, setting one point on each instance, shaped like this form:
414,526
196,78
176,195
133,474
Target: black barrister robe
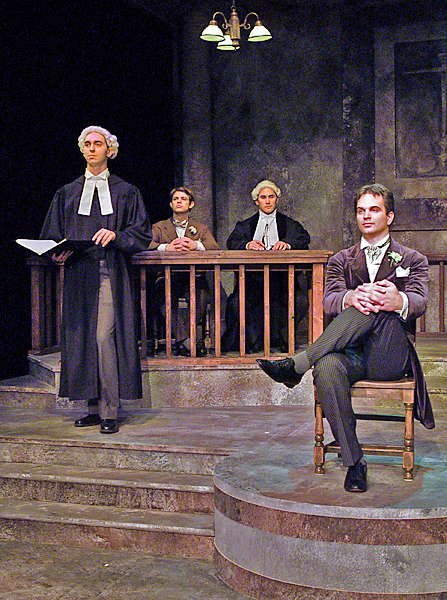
79,363
289,231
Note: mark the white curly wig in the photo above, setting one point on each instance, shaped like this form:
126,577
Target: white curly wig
265,184
111,140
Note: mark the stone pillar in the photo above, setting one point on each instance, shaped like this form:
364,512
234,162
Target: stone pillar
197,116
358,114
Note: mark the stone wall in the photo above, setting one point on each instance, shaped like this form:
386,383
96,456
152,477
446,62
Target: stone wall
309,109
277,114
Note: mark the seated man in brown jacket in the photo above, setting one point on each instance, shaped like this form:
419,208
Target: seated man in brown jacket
180,233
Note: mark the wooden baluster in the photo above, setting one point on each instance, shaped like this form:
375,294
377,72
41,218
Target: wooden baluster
291,309
193,310
217,310
317,300
441,297
422,324
310,314
242,309
37,309
168,304
267,310
143,309
59,301
48,275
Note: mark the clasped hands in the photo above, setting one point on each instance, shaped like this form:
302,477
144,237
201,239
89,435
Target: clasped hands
102,236
373,297
258,245
183,244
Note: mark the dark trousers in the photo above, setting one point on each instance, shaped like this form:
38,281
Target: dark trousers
353,347
180,289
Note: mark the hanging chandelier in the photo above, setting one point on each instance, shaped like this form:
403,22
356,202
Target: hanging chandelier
230,37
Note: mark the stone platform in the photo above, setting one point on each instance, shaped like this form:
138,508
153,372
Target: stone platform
203,383
284,533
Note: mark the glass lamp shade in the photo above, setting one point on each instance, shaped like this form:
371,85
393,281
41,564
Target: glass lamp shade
259,33
227,44
212,33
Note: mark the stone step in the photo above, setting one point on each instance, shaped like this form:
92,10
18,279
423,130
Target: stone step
143,457
27,391
124,488
46,368
182,385
436,368
432,353
437,389
153,532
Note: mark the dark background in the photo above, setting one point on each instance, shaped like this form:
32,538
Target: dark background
68,66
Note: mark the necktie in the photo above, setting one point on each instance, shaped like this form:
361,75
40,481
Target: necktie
102,185
180,223
373,252
265,237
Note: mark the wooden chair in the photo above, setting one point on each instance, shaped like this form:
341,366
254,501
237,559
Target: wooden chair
402,393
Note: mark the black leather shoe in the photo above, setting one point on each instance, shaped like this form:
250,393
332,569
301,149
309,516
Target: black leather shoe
281,371
356,477
255,349
181,350
109,426
88,421
280,345
201,348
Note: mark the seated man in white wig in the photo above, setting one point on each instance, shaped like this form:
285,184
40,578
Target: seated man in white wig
99,354
268,229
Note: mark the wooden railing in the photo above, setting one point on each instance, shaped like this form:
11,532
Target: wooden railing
47,285
240,262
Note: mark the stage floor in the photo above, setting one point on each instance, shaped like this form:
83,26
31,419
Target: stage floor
270,454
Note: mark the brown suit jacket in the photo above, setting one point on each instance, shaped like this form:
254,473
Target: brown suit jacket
164,232
347,270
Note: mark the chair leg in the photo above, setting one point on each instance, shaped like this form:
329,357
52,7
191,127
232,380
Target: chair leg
319,439
408,454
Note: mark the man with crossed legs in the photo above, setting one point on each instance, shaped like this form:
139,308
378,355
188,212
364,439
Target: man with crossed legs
375,291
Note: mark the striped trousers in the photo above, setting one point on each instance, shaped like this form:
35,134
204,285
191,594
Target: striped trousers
355,346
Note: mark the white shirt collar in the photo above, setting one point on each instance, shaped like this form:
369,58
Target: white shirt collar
267,230
269,217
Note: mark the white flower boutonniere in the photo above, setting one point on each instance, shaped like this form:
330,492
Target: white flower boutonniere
192,229
394,257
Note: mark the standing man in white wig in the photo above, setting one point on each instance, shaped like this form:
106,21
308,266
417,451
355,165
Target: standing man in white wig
268,229
99,354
